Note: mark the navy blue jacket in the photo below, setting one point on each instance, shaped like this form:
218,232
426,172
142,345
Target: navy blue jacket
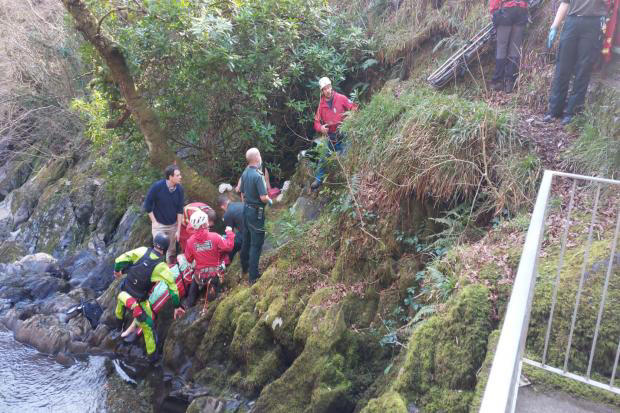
165,205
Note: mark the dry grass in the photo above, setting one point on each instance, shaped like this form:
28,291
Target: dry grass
402,26
39,70
442,147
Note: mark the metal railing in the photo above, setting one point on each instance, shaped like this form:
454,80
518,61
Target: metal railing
501,390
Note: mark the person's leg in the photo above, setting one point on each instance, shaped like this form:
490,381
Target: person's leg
192,294
236,246
147,329
245,243
514,56
320,173
171,254
588,50
501,54
257,227
564,68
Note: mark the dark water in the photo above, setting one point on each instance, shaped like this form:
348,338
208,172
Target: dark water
34,382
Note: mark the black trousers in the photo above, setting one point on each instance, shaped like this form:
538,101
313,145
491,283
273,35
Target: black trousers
580,46
237,245
253,238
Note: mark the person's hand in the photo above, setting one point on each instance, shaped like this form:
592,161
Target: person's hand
179,312
323,129
551,38
118,274
228,229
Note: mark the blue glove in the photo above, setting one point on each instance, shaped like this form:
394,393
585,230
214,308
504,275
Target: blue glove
552,33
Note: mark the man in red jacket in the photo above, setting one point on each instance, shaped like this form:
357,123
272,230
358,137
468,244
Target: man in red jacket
332,110
206,249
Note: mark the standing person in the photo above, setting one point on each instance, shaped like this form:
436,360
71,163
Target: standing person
272,192
144,267
233,217
254,196
509,18
333,108
580,45
164,204
205,249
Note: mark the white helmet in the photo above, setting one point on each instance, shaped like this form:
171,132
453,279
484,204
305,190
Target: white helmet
198,219
324,81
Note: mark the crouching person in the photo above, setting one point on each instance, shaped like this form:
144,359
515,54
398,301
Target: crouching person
206,249
145,267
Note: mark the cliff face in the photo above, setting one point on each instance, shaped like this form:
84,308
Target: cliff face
379,293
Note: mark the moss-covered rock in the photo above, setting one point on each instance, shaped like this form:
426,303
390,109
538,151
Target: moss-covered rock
582,339
390,401
485,370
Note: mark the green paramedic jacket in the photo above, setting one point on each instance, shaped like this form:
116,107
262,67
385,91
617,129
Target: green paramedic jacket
161,272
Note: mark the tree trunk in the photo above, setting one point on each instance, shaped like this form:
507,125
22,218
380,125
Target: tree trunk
160,153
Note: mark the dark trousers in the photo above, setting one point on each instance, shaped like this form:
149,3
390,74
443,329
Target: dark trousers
580,46
253,238
510,27
195,289
332,146
237,245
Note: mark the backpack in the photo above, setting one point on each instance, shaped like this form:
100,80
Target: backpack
89,308
138,281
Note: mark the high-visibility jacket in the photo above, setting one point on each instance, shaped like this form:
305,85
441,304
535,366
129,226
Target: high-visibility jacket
332,116
161,272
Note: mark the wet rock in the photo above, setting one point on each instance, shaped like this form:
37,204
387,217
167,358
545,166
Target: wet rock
47,286
38,263
207,405
14,294
307,209
10,319
65,359
78,347
87,270
44,332
14,174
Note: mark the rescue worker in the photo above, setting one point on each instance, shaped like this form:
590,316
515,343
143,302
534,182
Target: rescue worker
580,46
144,267
254,196
233,217
509,19
186,228
332,110
205,249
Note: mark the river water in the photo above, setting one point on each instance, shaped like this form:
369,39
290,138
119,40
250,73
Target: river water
34,382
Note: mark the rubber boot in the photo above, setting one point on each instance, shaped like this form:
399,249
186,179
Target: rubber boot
497,82
512,72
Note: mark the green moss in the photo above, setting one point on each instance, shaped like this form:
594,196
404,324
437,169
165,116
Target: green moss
588,310
447,350
440,400
390,401
223,325
485,370
11,251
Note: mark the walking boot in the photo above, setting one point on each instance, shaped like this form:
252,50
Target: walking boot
497,83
